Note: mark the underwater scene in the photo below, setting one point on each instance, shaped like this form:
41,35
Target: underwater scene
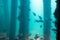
27,20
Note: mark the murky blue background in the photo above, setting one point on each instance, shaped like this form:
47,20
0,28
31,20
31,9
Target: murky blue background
36,6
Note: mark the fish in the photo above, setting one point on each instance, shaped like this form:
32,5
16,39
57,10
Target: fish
40,26
34,14
40,17
39,20
55,30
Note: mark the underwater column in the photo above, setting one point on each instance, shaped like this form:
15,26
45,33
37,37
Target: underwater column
58,19
13,20
24,19
6,13
47,18
57,16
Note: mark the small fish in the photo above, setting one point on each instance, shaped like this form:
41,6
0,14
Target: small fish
54,29
40,17
34,14
40,26
39,20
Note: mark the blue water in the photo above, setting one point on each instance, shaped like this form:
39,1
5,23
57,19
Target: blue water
36,7
34,27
